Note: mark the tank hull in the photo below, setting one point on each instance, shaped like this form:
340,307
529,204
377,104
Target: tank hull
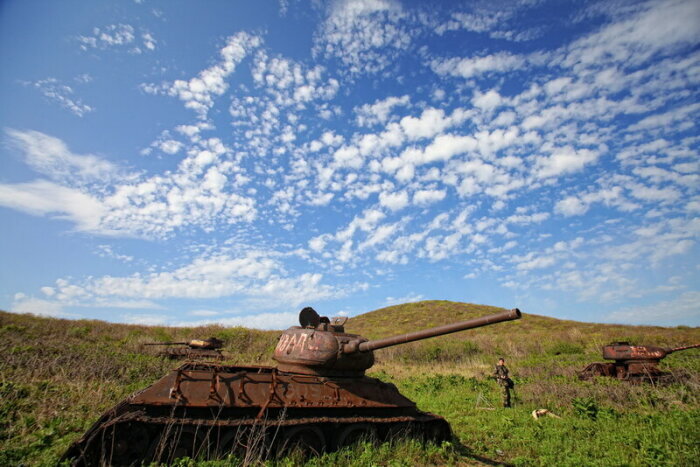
634,363
186,353
209,411
634,372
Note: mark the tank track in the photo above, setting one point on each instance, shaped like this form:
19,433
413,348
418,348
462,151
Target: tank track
594,370
132,437
180,353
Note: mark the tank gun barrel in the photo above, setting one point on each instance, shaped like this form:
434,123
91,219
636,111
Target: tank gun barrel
355,346
686,347
204,344
166,343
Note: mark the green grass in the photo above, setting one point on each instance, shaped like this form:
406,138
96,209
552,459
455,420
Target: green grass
592,430
58,376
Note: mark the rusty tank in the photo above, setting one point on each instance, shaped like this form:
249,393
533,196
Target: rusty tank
634,363
195,349
318,398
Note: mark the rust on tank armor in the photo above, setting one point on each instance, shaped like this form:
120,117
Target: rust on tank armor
317,398
634,363
195,349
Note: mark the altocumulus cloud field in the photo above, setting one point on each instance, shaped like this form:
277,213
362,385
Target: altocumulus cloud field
182,163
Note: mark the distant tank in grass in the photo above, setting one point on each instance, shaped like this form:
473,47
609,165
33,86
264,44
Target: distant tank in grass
318,398
195,349
635,363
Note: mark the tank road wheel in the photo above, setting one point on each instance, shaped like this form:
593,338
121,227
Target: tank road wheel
176,442
597,369
125,444
437,431
233,442
403,430
351,434
309,440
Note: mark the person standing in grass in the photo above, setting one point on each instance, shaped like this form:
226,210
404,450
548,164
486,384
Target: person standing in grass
501,375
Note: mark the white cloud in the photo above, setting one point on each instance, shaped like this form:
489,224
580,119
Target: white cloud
431,122
98,198
557,85
204,313
106,251
363,222
62,94
564,160
472,67
394,201
284,7
170,146
380,111
145,319
109,36
198,93
442,148
425,197
295,291
410,298
115,36
292,83
487,101
317,243
256,277
529,262
149,41
42,197
205,277
608,195
571,206
279,321
524,219
379,235
475,22
365,35
493,20
656,27
52,157
348,156
647,193
664,120
682,309
102,302
38,307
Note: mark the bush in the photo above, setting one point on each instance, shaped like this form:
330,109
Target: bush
565,348
79,331
585,407
436,351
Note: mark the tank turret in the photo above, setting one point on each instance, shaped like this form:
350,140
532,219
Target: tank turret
320,346
626,352
632,362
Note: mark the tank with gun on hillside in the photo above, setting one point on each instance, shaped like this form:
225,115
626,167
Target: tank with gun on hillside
634,363
195,349
317,399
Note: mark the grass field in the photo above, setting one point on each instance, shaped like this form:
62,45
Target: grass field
58,376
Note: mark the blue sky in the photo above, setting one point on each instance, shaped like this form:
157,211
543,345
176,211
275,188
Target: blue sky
184,162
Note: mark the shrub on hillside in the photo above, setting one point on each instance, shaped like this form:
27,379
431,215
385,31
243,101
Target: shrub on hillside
565,348
434,351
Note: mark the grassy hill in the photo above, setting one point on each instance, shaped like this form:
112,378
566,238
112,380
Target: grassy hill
57,376
420,315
